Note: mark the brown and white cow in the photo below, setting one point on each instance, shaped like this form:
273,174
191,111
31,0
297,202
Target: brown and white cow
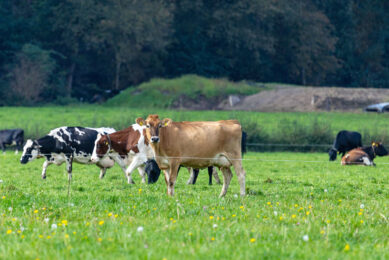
128,147
196,145
364,155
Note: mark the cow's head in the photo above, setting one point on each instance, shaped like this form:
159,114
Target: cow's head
102,146
332,153
379,149
153,124
30,151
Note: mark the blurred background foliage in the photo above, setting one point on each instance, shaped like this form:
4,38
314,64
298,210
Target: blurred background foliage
77,50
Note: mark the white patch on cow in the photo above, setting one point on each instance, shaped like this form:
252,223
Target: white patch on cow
28,144
55,133
367,161
78,131
94,157
104,130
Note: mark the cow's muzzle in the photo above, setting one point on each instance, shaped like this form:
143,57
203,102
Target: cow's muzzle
23,161
154,139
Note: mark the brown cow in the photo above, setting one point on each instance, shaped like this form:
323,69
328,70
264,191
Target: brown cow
128,147
364,155
196,145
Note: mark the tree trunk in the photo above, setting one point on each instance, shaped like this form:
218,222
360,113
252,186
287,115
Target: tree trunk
70,80
117,73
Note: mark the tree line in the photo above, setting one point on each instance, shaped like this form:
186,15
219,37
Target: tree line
59,51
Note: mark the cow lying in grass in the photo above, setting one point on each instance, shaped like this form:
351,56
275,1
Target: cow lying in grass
66,145
364,155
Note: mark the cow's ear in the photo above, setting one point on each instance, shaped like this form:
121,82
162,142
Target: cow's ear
166,122
140,121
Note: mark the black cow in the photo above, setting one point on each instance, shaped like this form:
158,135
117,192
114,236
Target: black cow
344,142
67,144
12,136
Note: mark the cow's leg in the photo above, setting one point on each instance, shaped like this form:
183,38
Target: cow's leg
227,175
121,163
136,162
194,173
2,147
210,170
241,174
173,172
215,175
69,166
166,174
44,168
142,173
102,172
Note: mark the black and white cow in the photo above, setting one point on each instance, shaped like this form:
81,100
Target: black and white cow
67,145
12,137
344,142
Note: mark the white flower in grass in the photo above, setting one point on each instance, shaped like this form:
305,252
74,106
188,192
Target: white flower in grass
275,213
10,209
306,238
46,220
214,225
71,204
235,195
54,226
325,190
139,229
362,206
1,181
21,228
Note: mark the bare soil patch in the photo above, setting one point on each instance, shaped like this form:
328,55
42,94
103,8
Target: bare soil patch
304,99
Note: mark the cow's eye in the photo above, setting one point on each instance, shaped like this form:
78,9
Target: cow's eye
148,126
160,125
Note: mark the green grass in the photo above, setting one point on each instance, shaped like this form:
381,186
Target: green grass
287,201
37,121
162,93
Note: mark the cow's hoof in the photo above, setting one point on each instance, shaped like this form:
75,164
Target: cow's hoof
43,177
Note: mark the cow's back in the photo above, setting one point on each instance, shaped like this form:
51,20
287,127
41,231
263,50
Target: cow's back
201,139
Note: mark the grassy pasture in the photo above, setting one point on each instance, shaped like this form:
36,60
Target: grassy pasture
37,121
342,211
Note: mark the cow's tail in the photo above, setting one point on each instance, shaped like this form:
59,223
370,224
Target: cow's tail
244,139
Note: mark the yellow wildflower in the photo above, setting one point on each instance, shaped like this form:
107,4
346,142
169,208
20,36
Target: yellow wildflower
308,213
252,240
269,203
109,214
9,231
293,216
210,217
322,232
66,236
64,222
99,239
213,239
233,215
347,247
36,211
360,213
101,222
116,215
48,237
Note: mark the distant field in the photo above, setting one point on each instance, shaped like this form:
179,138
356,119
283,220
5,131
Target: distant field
305,208
262,127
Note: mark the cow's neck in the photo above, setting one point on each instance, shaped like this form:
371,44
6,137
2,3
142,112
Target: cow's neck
370,152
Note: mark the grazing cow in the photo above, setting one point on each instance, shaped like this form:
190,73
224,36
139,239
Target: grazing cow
196,145
12,136
65,145
344,142
152,170
364,155
128,147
